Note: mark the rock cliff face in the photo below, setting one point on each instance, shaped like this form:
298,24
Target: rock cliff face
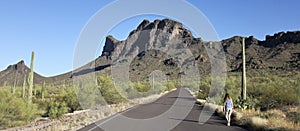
153,46
281,38
148,48
280,51
109,47
147,35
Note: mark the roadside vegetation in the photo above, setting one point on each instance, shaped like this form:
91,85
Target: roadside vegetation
270,96
55,101
274,97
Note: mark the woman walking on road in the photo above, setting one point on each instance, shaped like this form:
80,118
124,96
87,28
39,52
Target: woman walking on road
228,107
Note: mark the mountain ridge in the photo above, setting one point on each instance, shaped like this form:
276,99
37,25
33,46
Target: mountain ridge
279,51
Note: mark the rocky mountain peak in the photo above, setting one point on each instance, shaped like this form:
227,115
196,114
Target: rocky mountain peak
109,46
167,25
19,66
143,24
164,26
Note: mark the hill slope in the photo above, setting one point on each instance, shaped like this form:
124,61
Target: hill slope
18,72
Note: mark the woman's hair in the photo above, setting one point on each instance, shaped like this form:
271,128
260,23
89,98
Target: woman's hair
227,97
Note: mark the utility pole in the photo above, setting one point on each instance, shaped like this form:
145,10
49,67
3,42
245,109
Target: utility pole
244,88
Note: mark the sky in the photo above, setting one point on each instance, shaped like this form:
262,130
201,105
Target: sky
51,28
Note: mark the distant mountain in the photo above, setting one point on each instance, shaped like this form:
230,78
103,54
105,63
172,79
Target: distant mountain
278,52
18,72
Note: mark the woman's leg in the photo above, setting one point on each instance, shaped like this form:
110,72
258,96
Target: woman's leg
229,115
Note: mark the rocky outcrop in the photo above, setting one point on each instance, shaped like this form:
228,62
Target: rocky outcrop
281,38
109,46
166,25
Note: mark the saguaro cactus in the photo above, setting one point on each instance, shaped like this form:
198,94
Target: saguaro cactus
244,88
34,91
24,87
43,90
30,78
13,89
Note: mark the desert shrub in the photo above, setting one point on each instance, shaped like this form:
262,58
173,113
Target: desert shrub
132,93
70,98
144,88
139,89
160,87
108,91
90,97
203,91
264,91
15,111
141,86
244,104
273,97
172,84
217,99
90,94
204,88
56,109
294,116
233,87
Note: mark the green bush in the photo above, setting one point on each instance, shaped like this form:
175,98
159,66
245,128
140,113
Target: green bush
244,104
273,96
265,90
171,85
294,116
70,98
56,109
141,86
15,111
108,91
203,91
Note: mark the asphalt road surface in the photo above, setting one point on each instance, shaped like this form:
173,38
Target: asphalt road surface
174,111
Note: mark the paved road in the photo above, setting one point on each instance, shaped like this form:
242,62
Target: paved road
174,111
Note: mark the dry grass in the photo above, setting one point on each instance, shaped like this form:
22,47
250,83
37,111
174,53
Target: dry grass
257,121
275,119
271,119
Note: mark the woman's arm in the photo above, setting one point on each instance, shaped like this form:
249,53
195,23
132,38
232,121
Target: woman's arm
232,103
224,106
